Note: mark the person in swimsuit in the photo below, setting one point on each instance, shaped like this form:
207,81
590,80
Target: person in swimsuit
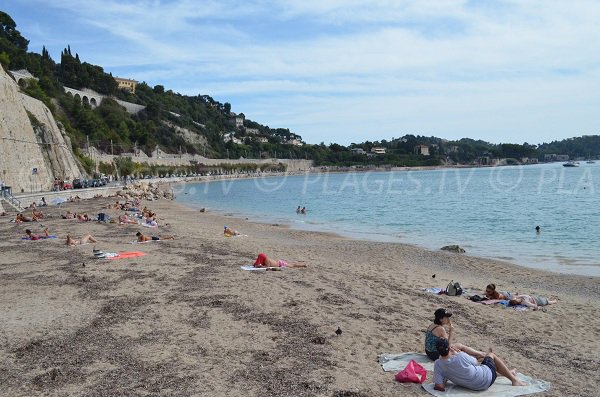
436,332
491,293
230,232
532,301
88,238
31,236
141,238
271,264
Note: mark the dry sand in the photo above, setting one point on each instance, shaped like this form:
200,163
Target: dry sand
184,320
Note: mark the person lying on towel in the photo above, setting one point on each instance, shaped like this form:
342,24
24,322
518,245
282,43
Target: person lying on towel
31,236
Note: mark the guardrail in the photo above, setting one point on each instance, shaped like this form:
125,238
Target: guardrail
11,199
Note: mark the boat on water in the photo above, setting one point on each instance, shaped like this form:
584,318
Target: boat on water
571,164
590,162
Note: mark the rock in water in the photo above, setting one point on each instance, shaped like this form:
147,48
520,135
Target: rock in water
454,248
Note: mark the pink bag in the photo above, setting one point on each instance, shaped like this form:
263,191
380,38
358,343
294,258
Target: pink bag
413,372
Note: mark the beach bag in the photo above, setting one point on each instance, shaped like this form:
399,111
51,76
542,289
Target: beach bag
454,289
478,298
414,372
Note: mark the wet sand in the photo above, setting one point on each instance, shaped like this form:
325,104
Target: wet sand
184,319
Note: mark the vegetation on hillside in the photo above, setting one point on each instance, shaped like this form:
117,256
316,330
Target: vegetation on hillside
111,129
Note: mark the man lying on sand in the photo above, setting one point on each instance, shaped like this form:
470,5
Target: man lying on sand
141,238
463,370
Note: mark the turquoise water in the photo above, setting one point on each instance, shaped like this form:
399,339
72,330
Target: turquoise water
491,212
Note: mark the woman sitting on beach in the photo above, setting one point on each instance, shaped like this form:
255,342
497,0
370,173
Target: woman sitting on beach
532,301
436,332
37,215
491,293
271,264
88,238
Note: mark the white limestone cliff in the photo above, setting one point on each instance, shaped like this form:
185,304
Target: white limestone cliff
31,139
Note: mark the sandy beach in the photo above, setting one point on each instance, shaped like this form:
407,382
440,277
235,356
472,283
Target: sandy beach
185,320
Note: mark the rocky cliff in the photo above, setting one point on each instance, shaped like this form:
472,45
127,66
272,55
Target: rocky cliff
33,149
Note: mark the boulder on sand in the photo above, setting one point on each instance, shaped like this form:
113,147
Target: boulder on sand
454,248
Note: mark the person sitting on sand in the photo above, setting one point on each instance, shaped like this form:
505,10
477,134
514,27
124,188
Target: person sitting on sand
141,238
36,215
228,232
88,238
151,222
532,301
436,332
491,293
271,264
31,236
463,369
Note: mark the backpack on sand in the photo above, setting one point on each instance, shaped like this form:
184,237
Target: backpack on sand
454,289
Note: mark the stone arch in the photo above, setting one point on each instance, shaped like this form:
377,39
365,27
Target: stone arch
85,100
77,97
93,102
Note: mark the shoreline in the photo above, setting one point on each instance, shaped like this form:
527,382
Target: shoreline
185,320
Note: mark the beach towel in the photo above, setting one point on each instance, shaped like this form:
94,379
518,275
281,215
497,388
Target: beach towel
237,235
501,388
39,238
120,255
144,242
391,362
251,268
148,225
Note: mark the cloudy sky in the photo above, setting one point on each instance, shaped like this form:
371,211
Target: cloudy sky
347,70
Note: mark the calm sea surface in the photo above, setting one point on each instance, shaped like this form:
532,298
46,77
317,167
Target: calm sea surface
491,212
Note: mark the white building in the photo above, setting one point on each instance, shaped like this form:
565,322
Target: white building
358,151
294,142
231,137
378,150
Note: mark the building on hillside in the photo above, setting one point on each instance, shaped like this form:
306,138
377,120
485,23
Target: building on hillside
252,131
358,151
262,139
126,84
378,150
231,137
422,150
239,121
294,142
562,157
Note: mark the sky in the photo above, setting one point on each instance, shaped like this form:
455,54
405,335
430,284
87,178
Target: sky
348,71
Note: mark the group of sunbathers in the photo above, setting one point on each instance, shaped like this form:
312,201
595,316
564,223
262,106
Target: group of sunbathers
531,301
463,365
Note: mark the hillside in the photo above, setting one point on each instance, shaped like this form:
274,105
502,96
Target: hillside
199,125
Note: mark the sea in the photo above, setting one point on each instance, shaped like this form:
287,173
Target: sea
491,212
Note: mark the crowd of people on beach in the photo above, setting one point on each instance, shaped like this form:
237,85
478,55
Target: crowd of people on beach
453,361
